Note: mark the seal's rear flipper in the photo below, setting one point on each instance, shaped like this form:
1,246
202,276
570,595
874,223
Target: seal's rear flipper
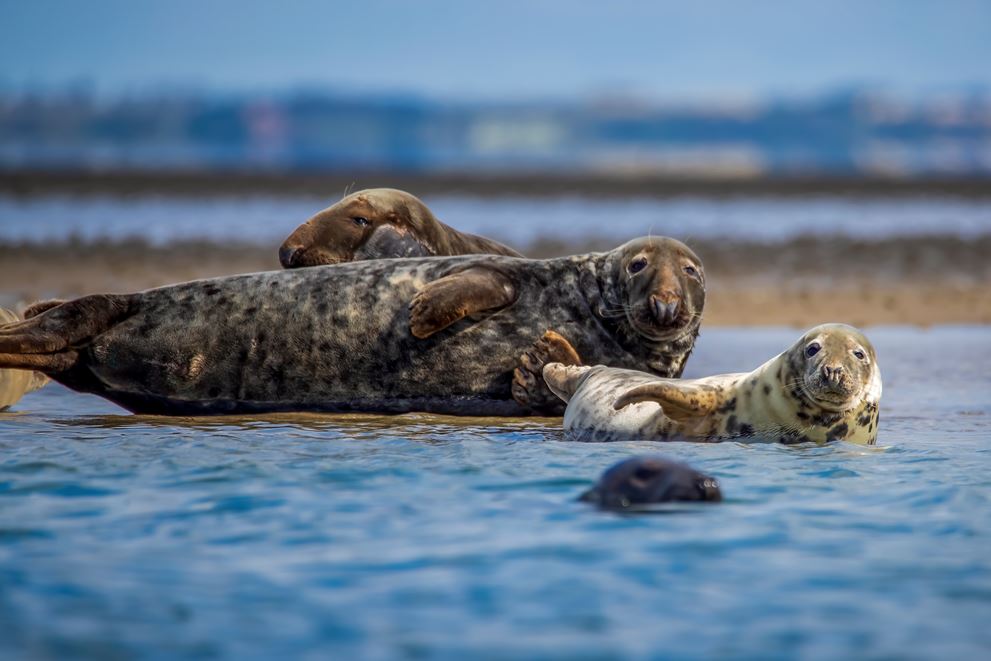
529,388
681,402
563,380
35,309
452,298
46,342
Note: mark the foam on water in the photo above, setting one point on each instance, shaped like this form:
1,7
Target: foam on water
421,536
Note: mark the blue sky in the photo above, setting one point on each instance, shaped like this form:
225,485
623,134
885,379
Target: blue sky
500,49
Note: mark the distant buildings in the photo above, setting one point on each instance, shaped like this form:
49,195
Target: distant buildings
843,134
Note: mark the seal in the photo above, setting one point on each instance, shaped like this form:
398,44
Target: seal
648,479
433,334
379,223
14,384
825,387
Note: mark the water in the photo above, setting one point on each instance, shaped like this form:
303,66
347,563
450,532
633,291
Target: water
426,537
518,221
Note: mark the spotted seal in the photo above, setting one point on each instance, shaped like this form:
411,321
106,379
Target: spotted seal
14,384
434,334
379,223
648,479
825,387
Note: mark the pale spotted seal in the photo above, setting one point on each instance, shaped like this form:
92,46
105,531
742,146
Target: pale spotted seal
435,334
379,223
825,387
14,384
646,479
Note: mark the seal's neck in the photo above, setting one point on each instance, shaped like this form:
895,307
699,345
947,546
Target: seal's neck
598,285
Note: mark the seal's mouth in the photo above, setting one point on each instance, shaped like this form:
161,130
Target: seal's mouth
302,258
831,395
661,320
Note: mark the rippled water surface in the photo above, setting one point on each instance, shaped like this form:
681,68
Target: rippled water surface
417,536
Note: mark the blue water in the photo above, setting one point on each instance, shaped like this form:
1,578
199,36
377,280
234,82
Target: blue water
424,537
518,220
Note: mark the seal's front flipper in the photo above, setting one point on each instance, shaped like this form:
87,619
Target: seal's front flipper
445,301
45,342
529,388
681,402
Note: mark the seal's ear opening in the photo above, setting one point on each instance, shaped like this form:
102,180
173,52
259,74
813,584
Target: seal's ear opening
680,402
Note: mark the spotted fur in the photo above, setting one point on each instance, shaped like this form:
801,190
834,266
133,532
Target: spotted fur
338,338
792,398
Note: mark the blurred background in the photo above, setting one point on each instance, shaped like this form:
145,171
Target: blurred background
828,161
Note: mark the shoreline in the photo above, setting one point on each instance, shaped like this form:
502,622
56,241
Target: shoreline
85,182
919,281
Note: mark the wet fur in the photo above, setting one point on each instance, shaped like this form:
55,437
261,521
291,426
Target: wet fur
334,338
610,404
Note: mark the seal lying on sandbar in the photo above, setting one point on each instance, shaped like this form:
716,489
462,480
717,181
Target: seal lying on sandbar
435,334
647,479
825,387
379,223
14,384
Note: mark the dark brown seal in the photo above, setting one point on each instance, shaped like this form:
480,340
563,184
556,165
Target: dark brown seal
437,334
645,479
379,223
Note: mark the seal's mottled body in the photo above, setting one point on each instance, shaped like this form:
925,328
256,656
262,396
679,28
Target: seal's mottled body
792,398
332,338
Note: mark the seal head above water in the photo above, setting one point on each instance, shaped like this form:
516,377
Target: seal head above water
648,479
825,387
379,223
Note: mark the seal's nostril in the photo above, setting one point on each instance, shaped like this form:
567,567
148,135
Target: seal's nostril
288,256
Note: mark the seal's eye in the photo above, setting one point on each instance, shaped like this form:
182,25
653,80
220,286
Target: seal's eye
638,264
361,221
859,354
692,271
812,349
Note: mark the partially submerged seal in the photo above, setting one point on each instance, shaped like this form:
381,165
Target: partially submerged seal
825,387
439,334
647,479
15,383
379,223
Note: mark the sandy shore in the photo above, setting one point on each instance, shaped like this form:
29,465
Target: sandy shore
919,281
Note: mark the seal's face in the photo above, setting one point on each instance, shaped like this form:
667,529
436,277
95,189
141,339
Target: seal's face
646,479
369,224
837,366
663,286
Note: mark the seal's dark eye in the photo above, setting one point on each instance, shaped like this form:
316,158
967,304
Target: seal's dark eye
859,354
692,271
812,349
361,221
638,264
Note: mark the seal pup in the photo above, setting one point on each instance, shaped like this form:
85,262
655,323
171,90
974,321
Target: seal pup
825,387
14,383
434,334
379,223
648,479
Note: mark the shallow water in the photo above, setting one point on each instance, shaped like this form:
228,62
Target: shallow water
518,220
418,536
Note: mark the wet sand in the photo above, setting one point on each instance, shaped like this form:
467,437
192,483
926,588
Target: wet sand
802,282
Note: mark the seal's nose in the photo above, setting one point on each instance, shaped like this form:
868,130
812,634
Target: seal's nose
832,373
665,307
289,256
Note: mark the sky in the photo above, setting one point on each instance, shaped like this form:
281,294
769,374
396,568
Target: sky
502,49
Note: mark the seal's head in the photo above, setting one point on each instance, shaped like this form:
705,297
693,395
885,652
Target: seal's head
662,287
650,479
369,224
835,367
